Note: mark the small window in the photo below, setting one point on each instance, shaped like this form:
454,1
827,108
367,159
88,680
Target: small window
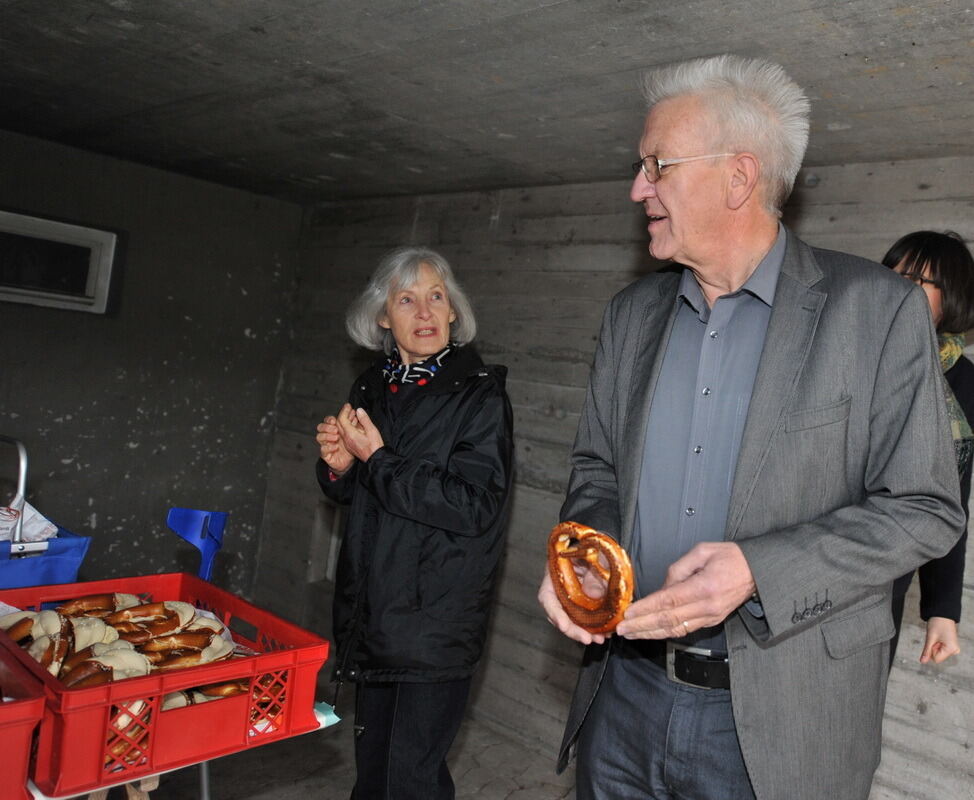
48,263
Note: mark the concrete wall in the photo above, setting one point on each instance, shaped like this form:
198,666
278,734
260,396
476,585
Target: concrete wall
207,371
170,401
540,265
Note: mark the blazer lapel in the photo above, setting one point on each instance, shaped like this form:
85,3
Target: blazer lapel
791,329
654,333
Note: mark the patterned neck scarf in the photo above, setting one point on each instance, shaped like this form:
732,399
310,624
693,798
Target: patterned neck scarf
951,349
419,372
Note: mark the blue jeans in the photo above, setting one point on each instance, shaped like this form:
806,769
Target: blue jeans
403,732
648,737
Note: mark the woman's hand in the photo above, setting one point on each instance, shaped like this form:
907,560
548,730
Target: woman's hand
332,448
360,437
942,641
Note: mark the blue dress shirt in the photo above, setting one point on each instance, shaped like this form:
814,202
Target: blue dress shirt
696,422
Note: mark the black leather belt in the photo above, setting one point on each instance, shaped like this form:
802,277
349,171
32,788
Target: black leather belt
704,669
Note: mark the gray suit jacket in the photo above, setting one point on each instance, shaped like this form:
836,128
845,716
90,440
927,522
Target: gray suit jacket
845,480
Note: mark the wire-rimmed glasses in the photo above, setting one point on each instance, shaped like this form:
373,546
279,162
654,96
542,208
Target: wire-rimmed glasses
651,165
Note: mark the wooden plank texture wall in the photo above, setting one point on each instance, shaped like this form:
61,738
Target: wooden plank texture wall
540,265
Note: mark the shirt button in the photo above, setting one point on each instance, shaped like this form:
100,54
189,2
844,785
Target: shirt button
691,511
706,391
698,449
713,334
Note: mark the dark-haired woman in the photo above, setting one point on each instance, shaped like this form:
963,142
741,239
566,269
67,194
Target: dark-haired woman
943,266
422,454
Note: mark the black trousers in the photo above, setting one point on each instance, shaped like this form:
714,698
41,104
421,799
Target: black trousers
403,732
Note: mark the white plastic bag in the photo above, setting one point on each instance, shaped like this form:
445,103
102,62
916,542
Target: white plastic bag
37,528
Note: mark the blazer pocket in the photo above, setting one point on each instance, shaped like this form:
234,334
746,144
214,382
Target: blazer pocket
868,626
817,417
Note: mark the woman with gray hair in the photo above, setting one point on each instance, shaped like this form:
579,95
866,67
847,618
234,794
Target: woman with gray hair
422,454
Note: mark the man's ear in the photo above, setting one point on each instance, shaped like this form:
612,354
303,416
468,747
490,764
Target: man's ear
745,174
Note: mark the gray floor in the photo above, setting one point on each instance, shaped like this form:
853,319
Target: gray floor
485,765
488,764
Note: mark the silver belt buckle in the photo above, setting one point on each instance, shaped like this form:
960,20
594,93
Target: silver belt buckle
671,648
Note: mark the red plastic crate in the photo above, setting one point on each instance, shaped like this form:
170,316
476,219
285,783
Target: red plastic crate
18,718
103,735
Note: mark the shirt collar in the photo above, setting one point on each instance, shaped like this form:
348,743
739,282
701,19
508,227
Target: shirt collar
761,284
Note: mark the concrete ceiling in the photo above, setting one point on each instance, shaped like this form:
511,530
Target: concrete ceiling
311,100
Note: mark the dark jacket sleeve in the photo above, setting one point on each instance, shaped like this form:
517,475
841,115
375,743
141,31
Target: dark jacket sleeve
466,495
341,490
942,580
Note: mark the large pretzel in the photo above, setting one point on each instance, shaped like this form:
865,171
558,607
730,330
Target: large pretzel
146,612
97,605
103,663
570,542
142,632
140,624
218,650
112,636
185,640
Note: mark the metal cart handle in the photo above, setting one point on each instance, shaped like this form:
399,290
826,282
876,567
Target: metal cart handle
17,504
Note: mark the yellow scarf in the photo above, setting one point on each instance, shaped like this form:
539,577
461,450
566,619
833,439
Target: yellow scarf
951,349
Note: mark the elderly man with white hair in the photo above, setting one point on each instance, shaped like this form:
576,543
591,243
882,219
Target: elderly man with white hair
765,433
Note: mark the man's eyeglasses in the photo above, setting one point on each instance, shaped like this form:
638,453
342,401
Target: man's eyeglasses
651,165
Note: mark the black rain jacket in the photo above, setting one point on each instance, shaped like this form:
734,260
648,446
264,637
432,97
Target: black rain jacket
423,536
